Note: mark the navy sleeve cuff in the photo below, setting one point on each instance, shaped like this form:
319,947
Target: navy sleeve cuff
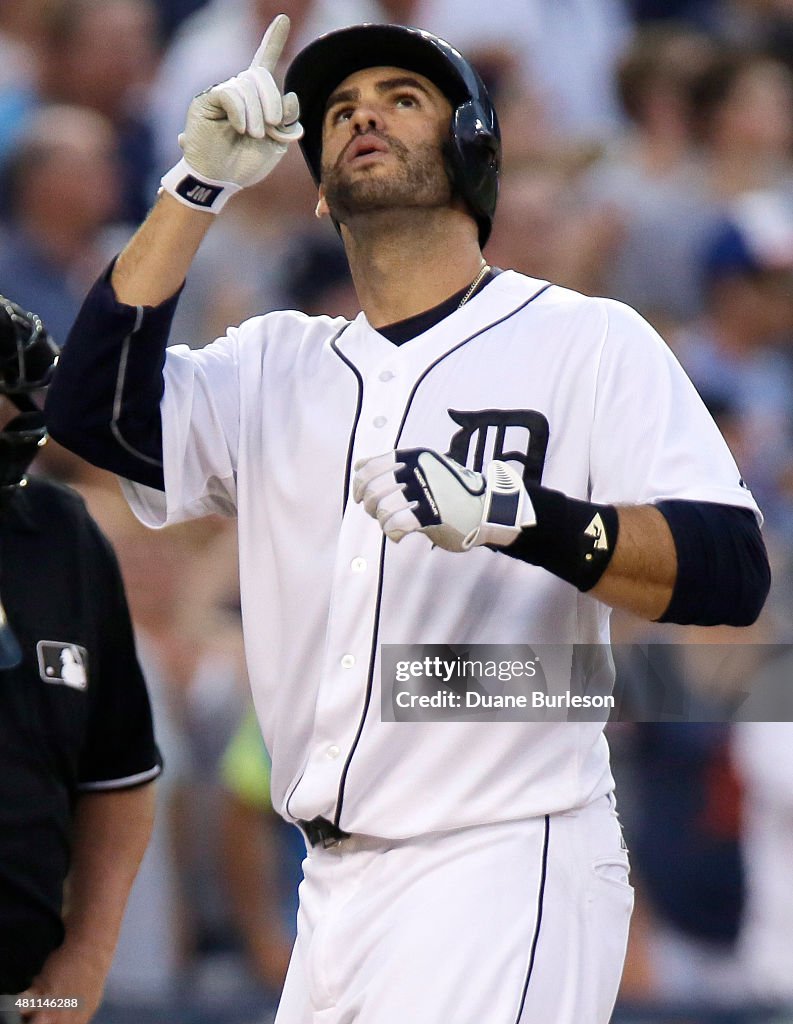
723,576
104,401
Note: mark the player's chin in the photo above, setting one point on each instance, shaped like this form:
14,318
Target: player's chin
363,193
356,175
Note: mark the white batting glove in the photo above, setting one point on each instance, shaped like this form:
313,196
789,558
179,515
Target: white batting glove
236,132
417,490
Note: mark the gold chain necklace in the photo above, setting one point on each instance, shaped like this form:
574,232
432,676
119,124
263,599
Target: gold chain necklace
474,284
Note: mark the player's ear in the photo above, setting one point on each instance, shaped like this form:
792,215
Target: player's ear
322,209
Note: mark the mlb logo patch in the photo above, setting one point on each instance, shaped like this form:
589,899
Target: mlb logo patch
63,663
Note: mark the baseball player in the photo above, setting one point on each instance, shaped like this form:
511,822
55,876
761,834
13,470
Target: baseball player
477,458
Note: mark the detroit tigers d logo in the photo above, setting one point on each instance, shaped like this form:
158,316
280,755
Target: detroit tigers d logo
511,435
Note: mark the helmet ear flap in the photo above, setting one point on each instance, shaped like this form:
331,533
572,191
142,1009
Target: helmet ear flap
476,160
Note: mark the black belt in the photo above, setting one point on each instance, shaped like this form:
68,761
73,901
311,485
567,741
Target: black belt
321,832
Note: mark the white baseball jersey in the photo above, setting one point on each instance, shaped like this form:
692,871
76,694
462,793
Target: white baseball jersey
267,422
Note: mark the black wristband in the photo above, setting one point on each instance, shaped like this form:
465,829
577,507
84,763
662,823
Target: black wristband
572,539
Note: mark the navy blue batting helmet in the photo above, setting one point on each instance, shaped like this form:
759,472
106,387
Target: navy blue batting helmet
474,134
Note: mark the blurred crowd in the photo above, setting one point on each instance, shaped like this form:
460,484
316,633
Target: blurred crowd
648,156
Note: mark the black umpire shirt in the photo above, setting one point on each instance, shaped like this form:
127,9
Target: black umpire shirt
74,715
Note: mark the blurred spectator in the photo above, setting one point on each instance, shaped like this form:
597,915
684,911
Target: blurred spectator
685,841
744,105
62,193
764,757
703,14
707,125
171,14
565,51
99,54
102,54
545,229
655,78
763,24
733,354
650,179
682,806
400,12
317,279
20,34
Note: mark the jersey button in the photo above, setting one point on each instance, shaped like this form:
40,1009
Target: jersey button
358,565
387,375
379,421
332,752
348,661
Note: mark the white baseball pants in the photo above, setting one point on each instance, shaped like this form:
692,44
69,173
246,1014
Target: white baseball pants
520,922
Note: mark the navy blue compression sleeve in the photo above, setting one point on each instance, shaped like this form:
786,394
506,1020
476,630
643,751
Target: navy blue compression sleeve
104,401
723,576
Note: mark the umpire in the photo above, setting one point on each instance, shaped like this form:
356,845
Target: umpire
77,750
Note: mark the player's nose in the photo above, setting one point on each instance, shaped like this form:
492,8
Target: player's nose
365,118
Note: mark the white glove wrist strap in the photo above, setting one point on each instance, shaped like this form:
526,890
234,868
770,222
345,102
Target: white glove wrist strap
507,508
197,190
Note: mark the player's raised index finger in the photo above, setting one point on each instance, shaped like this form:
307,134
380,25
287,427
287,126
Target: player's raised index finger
273,43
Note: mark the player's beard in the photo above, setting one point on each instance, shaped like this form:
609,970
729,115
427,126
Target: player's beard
417,180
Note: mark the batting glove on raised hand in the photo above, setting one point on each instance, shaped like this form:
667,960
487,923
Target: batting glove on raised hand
236,132
416,489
